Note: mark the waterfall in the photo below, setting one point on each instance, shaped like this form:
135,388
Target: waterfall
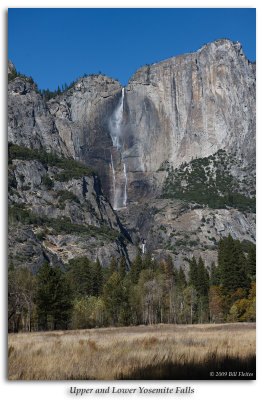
115,124
125,189
116,132
114,182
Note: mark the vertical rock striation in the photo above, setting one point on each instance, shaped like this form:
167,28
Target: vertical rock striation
190,106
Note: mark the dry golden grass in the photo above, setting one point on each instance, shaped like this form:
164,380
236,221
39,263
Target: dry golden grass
142,352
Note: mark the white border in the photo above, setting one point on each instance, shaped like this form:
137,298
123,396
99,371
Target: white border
59,390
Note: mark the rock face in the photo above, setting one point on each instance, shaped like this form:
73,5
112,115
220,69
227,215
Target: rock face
30,123
182,108
58,220
10,67
190,106
179,229
172,112
74,124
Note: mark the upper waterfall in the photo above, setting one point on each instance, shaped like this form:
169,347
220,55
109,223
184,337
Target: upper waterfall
115,123
116,132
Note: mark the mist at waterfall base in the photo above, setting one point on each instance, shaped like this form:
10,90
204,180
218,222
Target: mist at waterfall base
115,127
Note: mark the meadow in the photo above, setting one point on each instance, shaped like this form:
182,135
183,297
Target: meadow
137,352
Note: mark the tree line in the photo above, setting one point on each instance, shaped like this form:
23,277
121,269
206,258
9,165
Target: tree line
84,294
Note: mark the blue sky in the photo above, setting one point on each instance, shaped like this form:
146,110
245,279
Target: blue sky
55,46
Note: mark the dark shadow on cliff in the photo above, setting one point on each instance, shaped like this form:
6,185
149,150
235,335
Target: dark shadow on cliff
213,368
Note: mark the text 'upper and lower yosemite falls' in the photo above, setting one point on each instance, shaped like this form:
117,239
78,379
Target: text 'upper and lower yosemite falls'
132,216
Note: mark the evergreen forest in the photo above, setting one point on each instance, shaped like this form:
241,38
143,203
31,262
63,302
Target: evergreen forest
84,294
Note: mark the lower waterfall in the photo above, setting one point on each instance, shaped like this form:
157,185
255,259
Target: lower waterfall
114,183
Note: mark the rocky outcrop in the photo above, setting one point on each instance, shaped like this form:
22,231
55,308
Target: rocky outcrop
81,117
60,220
179,229
10,67
30,123
74,124
190,106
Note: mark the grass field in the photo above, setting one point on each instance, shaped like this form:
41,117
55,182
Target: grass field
139,352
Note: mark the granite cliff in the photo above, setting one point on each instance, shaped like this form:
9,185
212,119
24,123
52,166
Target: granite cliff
143,141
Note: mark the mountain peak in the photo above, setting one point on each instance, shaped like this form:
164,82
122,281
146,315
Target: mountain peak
10,67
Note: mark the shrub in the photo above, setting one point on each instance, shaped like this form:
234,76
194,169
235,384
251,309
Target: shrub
47,181
65,195
70,169
40,235
216,188
18,213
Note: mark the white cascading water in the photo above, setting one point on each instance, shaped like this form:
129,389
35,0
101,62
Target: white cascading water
125,189
114,182
115,127
115,123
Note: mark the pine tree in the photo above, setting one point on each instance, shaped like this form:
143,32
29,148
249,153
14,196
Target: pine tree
232,265
136,268
193,273
98,278
181,283
251,261
146,262
243,280
214,275
113,267
113,297
170,271
122,267
202,285
81,275
154,265
54,302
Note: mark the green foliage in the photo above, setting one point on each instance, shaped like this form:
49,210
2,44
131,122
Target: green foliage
14,74
47,182
64,195
147,261
18,213
232,265
199,280
80,272
207,181
181,279
151,293
251,261
12,182
70,169
85,277
113,267
25,187
41,235
122,267
49,94
88,312
113,295
136,268
98,278
54,302
214,275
